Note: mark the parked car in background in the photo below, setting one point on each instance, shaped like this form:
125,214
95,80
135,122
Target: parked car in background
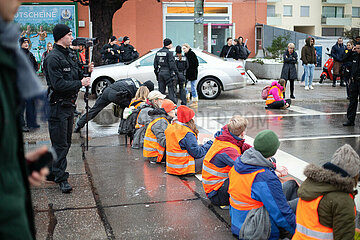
215,74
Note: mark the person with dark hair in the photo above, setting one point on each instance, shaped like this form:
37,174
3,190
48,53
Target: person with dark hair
183,153
111,51
337,53
165,69
243,50
350,53
356,40
127,52
229,50
182,65
275,97
308,57
288,71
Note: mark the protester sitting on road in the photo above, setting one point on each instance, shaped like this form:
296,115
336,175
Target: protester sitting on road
229,144
110,51
120,92
155,141
229,50
154,101
275,99
140,97
258,206
183,153
127,51
326,208
288,71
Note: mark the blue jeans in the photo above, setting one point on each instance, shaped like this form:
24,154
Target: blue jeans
309,74
193,89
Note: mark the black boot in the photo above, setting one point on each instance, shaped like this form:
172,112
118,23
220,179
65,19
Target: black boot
334,80
342,84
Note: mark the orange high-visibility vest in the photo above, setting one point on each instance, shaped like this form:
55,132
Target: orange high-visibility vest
213,177
135,103
151,146
308,226
270,99
178,161
240,190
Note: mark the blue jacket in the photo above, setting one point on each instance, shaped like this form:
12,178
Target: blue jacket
338,52
267,189
189,142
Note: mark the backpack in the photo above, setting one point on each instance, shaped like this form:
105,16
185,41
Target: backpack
265,92
128,124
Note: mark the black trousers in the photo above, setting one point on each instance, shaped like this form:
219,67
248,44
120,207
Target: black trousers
279,104
60,128
291,86
165,79
181,81
222,196
354,91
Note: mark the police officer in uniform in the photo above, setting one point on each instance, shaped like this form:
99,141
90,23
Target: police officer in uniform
354,88
64,79
182,65
111,51
127,51
165,69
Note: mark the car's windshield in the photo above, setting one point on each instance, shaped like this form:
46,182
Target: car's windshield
127,63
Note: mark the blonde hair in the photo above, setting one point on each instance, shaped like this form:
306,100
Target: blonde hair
186,45
142,93
237,125
291,45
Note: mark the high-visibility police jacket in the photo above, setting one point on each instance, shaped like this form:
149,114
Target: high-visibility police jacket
270,99
178,161
213,177
151,146
308,226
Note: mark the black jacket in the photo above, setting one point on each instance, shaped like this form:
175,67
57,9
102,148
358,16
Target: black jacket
242,50
230,52
192,71
63,75
355,68
289,70
113,56
183,64
125,90
164,61
31,58
128,53
338,52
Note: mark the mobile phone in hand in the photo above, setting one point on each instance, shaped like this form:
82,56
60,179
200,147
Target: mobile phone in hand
43,161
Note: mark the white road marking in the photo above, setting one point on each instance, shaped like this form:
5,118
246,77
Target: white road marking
305,110
318,138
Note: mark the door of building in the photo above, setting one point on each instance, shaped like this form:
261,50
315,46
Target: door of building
215,35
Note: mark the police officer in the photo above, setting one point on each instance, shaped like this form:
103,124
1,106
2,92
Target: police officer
127,51
165,69
181,65
120,92
354,88
64,79
111,51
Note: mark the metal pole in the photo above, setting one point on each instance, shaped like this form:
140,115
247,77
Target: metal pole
199,24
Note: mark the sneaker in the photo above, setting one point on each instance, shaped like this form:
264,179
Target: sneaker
303,83
225,207
306,88
311,87
65,187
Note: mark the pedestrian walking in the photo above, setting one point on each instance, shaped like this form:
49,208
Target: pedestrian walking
182,65
275,99
229,144
155,140
110,51
183,153
17,83
127,52
64,78
258,203
288,71
165,69
354,88
337,53
350,53
326,208
191,74
308,56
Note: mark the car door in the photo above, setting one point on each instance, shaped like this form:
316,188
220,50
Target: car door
143,69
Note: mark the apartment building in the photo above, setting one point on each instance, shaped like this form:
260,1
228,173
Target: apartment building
317,17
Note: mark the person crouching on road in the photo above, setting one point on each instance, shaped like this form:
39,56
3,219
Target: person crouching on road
155,141
257,194
326,208
275,99
229,144
183,153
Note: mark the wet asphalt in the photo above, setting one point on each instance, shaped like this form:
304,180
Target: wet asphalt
118,195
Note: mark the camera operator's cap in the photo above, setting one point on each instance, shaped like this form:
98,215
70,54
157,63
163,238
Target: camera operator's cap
155,95
22,40
113,38
126,38
149,84
167,42
60,30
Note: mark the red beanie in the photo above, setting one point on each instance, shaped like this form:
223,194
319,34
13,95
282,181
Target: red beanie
185,114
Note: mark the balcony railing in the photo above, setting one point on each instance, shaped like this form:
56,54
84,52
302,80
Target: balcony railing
274,20
335,21
337,1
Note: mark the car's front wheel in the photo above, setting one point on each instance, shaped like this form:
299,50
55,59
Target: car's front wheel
209,88
99,85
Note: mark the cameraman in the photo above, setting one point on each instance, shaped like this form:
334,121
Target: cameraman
354,87
111,51
64,78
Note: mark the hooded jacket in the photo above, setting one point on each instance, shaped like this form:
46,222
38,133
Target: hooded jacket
308,55
266,188
288,71
336,208
274,92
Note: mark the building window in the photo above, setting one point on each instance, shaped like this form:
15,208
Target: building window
333,12
332,31
356,12
304,11
271,10
287,11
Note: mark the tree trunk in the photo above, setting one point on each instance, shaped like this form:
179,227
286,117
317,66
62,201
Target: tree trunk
101,15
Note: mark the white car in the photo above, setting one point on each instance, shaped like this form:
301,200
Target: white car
214,74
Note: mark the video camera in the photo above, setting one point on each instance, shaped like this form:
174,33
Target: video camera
86,42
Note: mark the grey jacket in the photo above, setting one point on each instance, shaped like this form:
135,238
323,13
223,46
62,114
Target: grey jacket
143,119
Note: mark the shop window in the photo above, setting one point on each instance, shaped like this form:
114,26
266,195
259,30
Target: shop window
304,11
271,10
